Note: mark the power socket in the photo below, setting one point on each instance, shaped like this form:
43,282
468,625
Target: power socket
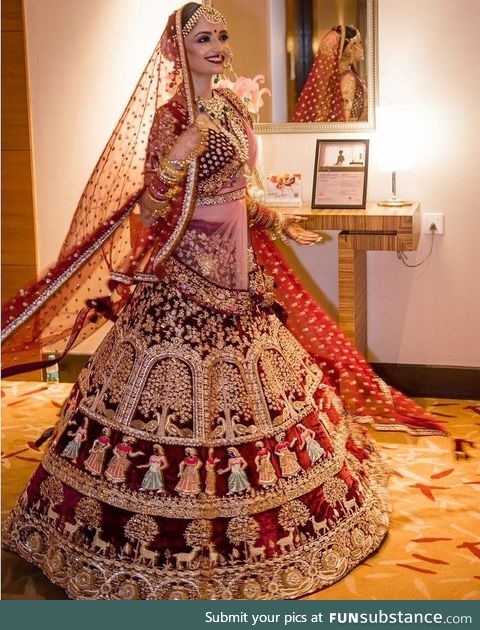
437,219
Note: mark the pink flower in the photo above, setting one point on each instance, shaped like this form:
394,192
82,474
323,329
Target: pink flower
248,91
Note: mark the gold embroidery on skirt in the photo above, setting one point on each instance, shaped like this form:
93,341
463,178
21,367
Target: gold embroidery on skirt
94,569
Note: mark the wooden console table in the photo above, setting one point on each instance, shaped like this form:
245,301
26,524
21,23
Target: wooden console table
372,229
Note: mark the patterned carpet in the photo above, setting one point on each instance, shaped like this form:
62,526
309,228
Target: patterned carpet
432,551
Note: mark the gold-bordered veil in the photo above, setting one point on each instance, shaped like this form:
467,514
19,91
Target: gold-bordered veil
76,296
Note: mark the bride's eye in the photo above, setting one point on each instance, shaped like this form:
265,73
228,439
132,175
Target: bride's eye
203,39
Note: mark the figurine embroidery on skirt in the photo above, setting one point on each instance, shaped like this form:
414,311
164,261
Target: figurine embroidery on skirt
72,450
97,454
211,479
288,459
153,479
263,461
307,441
119,465
189,473
237,479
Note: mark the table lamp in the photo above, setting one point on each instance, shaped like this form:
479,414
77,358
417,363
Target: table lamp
394,148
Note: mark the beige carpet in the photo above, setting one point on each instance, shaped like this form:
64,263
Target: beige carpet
432,551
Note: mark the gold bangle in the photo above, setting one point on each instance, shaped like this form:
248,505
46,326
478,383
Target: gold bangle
153,197
180,165
155,207
276,230
168,180
170,167
169,173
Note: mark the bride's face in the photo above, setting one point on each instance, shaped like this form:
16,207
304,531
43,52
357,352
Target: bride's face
355,50
207,48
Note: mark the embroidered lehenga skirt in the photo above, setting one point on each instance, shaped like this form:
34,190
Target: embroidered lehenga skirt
265,487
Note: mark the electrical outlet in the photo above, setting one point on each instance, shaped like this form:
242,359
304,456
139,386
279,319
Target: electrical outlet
437,219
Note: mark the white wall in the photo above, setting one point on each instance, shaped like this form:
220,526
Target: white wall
428,57
84,60
86,55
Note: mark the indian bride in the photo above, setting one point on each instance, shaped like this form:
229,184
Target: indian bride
334,91
213,446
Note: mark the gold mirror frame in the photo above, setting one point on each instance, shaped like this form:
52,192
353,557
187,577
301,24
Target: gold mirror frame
371,61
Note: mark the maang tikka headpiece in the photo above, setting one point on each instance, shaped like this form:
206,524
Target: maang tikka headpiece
207,11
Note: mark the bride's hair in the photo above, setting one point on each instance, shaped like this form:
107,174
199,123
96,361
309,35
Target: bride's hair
188,10
350,33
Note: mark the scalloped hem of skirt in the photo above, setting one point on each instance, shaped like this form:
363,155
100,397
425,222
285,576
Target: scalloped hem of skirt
307,568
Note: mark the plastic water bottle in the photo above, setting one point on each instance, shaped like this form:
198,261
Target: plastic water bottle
52,371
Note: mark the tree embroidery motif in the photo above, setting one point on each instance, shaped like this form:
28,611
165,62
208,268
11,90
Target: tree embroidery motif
51,490
123,368
293,515
167,400
293,351
231,410
243,530
103,363
141,529
89,512
280,385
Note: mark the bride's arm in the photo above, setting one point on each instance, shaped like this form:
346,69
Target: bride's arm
277,225
169,148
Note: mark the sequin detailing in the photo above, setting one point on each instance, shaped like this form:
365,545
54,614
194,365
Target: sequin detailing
219,166
236,428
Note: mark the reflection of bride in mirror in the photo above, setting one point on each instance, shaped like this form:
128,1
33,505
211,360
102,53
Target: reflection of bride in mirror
334,91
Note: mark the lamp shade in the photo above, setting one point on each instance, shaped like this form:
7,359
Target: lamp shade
394,138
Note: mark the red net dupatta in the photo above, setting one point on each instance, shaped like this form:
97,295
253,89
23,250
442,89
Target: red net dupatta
92,279
363,393
321,97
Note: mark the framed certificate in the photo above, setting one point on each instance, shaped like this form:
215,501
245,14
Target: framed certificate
340,175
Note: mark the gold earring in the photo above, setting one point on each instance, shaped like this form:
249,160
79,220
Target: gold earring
229,67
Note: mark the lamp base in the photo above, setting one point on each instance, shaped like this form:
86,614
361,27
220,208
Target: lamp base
394,203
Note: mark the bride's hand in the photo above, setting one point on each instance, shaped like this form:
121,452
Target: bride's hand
192,142
297,233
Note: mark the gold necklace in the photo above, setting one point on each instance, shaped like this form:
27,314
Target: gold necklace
215,107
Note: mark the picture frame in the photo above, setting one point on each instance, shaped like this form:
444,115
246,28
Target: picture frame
340,174
283,189
288,38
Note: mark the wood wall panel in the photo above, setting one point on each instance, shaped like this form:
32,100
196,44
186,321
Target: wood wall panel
12,18
14,277
15,134
18,233
18,219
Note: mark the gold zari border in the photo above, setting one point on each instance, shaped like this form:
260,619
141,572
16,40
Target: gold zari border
313,565
195,441
213,200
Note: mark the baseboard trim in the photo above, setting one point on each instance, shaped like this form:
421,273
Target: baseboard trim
423,381
70,367
431,381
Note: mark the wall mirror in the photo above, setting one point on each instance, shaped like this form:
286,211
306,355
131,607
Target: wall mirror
318,57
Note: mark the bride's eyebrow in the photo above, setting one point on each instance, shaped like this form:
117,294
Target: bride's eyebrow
211,32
